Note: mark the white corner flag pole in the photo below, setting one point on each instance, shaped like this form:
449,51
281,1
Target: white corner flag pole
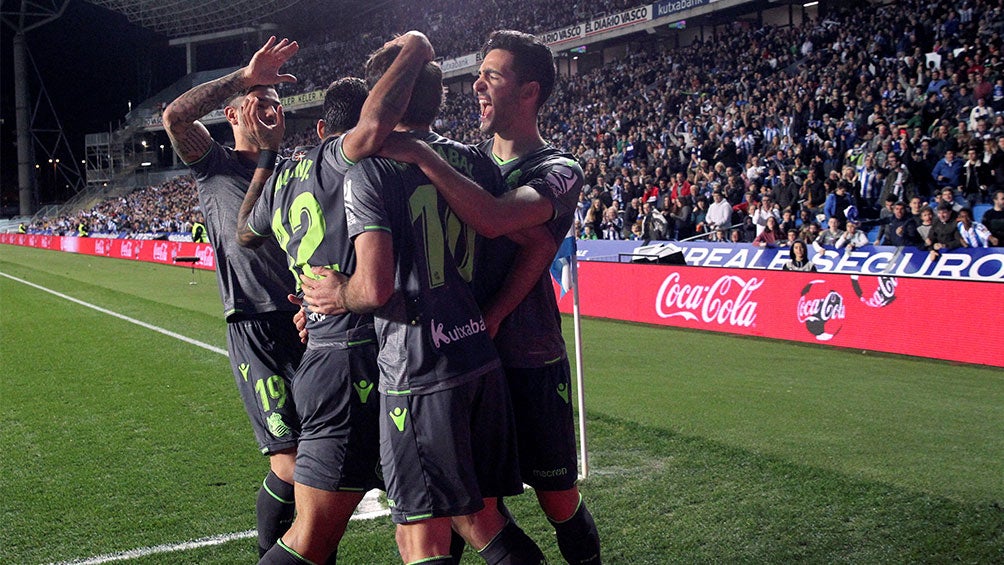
579,384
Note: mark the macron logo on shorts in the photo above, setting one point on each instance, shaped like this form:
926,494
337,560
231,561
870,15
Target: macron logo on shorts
398,415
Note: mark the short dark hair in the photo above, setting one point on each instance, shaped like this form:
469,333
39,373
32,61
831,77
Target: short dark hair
426,96
532,59
343,102
233,100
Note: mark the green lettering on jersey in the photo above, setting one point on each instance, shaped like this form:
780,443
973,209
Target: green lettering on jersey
304,215
424,210
456,160
300,172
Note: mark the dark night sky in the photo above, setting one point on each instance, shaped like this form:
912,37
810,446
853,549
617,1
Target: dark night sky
93,62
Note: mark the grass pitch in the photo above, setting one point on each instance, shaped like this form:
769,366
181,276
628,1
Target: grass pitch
703,447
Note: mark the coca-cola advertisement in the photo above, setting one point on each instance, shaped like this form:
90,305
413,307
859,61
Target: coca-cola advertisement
875,313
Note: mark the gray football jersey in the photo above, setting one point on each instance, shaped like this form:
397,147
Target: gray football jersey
303,207
431,333
251,281
531,335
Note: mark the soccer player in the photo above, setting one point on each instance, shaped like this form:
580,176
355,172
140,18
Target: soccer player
516,77
262,342
446,431
303,207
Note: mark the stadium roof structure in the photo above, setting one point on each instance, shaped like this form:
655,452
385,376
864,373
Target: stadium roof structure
183,18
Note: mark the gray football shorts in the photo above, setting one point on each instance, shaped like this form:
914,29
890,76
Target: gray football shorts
338,405
545,427
265,351
444,452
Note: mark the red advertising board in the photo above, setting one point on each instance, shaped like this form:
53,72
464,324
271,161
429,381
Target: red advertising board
150,250
943,319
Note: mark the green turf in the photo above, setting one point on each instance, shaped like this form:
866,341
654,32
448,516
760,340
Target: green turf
703,447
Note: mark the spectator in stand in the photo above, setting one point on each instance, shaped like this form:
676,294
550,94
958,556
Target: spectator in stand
885,216
654,224
809,232
993,158
901,229
792,237
594,216
770,235
979,112
852,237
788,221
916,205
612,224
764,211
786,191
680,218
630,216
946,196
869,184
947,172
829,236
699,216
993,219
971,233
837,203
898,181
799,258
719,212
975,178
813,193
925,223
944,235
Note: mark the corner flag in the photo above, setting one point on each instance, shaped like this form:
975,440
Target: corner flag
565,272
561,268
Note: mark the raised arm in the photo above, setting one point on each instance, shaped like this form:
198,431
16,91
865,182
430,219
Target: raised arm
191,139
389,97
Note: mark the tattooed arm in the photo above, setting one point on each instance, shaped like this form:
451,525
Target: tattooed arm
191,139
389,97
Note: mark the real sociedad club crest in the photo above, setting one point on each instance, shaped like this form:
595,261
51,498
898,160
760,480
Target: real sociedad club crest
821,310
300,152
883,295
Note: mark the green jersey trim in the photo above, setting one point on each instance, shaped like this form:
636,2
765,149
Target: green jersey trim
415,518
344,156
500,161
254,231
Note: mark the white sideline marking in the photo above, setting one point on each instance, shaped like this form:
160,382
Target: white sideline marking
368,508
144,551
120,316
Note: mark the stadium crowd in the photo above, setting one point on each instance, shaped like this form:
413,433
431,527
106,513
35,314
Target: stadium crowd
852,117
154,211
